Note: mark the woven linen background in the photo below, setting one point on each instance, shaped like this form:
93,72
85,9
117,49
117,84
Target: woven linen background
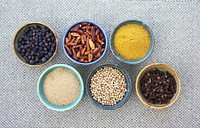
176,28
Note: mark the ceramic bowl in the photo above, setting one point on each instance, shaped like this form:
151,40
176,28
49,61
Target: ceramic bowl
81,63
162,67
41,93
149,52
120,103
20,32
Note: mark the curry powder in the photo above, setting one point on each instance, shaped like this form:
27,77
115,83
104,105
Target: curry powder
132,41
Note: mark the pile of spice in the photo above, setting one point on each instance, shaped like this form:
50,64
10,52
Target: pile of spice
158,87
61,87
85,42
131,41
108,86
37,44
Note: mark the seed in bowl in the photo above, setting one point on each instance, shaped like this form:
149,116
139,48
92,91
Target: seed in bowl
158,87
108,86
85,42
36,45
61,87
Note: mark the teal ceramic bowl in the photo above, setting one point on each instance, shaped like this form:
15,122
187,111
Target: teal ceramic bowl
42,96
149,52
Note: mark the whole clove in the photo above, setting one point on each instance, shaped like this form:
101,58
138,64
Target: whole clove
158,87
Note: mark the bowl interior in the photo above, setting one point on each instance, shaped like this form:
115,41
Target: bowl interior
20,32
148,52
161,67
18,35
102,30
41,93
120,103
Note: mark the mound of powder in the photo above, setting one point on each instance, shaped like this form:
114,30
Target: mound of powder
61,87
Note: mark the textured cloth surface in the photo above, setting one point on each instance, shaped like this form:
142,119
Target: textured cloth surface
176,28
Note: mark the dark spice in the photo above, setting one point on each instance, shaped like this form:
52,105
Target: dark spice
85,42
37,44
158,87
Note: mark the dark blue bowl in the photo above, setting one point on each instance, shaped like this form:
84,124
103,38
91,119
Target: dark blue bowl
106,42
129,88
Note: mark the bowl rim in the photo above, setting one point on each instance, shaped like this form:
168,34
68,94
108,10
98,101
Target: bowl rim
167,68
81,63
74,103
127,95
24,26
149,52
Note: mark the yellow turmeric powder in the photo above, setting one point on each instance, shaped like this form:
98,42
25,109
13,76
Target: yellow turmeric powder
132,41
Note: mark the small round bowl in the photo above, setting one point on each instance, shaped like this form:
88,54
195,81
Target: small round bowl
20,32
41,93
149,52
120,103
162,67
106,42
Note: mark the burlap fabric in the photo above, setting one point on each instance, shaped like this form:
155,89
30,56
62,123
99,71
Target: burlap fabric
176,28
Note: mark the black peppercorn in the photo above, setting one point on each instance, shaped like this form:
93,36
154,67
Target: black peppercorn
35,45
44,59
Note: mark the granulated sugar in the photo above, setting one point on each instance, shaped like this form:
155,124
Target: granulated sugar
61,87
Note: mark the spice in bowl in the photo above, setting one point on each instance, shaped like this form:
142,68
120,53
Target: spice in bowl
85,42
158,87
36,44
108,86
131,41
61,87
